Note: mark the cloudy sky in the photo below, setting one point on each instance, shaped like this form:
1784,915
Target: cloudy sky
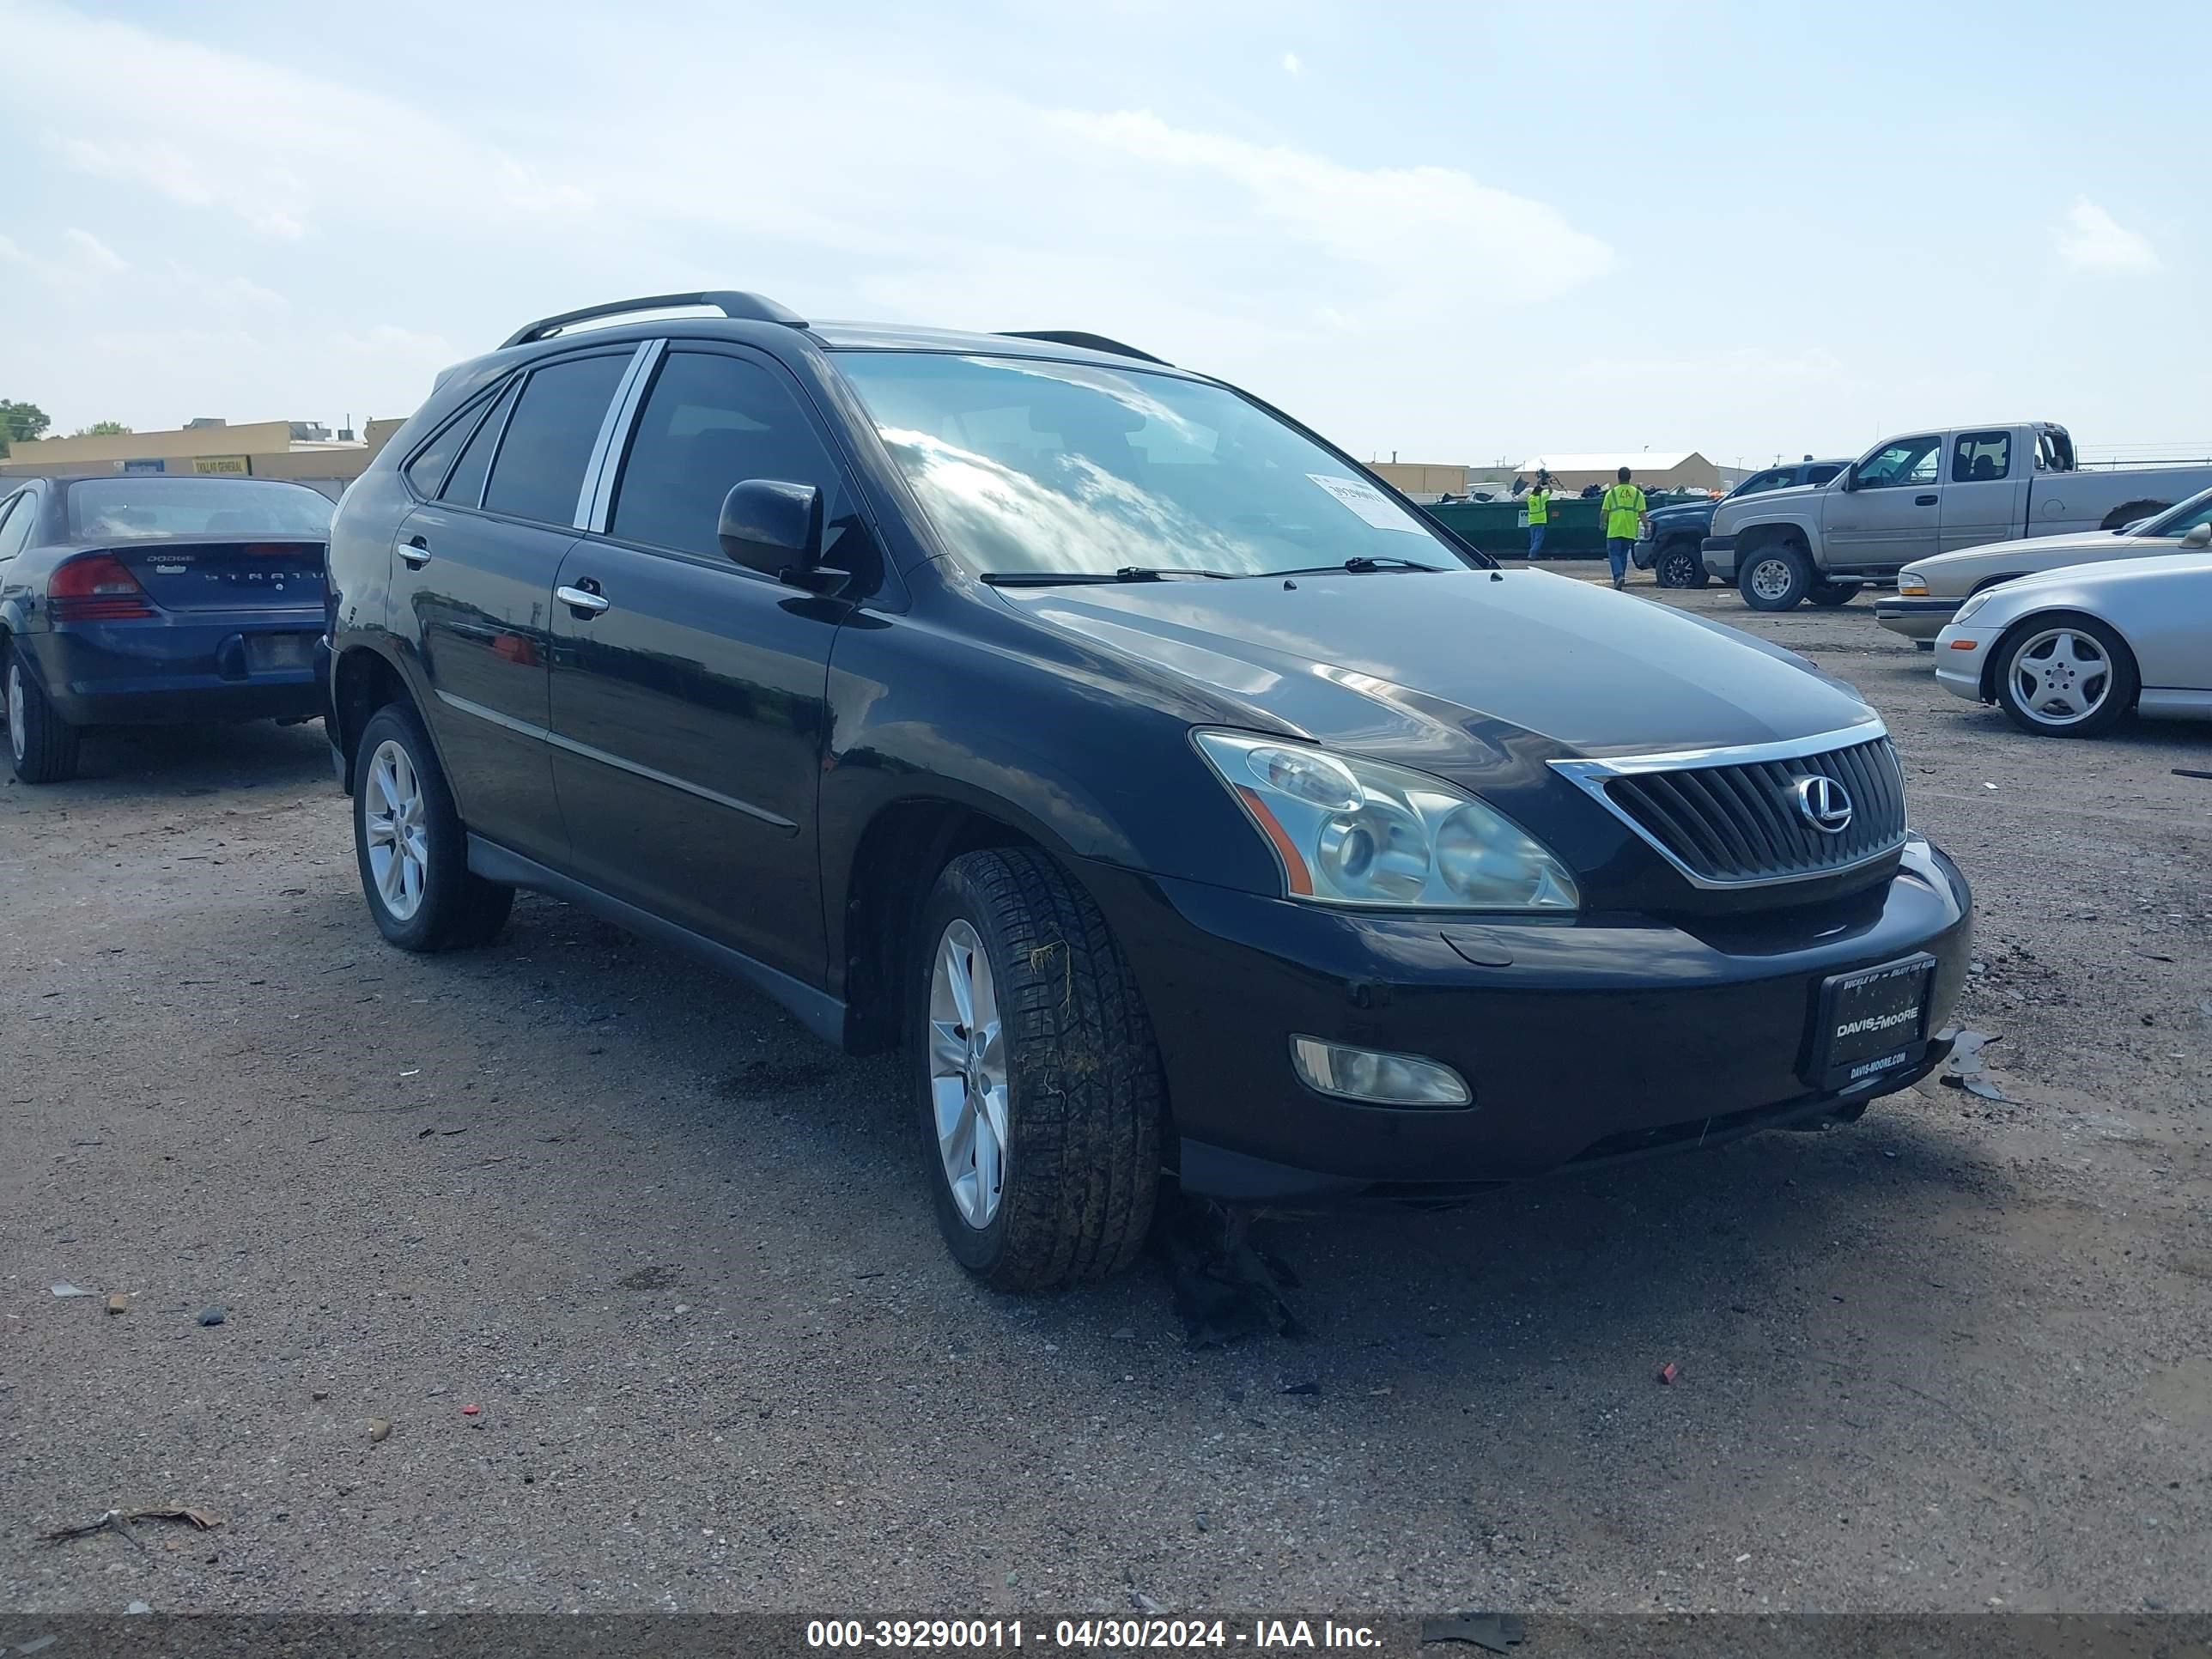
1462,232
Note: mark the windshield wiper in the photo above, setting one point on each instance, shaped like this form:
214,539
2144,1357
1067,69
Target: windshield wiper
1359,564
1128,573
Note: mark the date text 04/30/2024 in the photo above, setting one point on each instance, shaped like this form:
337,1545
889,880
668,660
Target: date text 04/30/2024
1259,1636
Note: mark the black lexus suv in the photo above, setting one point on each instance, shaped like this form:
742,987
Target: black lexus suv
1184,803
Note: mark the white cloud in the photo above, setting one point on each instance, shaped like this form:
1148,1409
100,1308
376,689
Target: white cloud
1290,64
89,252
82,257
2092,239
1394,221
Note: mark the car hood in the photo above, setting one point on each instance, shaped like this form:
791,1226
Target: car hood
1421,667
2187,570
2044,550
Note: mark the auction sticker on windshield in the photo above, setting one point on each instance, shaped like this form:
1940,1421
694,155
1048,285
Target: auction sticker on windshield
1368,503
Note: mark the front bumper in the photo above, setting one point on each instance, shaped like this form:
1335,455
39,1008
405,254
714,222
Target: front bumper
1582,1041
1644,552
1962,657
173,671
1916,619
1720,556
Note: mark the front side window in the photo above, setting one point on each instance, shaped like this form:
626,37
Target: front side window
115,508
1759,482
1820,475
711,422
1981,456
1908,461
1024,465
550,438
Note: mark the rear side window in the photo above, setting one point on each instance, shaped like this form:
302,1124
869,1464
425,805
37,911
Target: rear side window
15,515
550,437
1981,456
709,423
465,486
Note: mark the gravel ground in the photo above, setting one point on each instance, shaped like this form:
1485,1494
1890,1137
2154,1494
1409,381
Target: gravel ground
645,1281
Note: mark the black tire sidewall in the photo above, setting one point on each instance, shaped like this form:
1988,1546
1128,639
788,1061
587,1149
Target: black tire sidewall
445,883
1668,557
50,743
1833,595
2119,698
979,1249
1801,579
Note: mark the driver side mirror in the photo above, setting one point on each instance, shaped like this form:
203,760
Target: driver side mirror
774,527
2199,536
1850,479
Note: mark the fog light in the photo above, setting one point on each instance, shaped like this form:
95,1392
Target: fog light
1384,1079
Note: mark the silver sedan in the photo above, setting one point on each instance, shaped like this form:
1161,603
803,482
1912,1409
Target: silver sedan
2070,653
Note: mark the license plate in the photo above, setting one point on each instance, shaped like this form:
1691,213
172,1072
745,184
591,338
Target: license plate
1871,1023
268,651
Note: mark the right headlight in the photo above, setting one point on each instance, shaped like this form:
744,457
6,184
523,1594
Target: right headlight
1350,831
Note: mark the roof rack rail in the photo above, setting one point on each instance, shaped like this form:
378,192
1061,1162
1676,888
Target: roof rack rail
1076,336
750,307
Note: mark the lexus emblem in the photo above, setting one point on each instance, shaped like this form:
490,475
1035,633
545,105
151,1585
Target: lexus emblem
1823,803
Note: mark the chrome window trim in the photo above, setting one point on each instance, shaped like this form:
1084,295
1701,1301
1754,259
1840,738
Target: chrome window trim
1592,777
598,487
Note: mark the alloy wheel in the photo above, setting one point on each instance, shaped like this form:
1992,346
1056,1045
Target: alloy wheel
399,837
2060,676
968,1074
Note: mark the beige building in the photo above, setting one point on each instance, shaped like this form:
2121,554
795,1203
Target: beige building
1422,478
297,450
1681,470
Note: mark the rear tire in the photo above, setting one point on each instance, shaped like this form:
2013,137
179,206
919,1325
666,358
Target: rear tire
42,746
1774,576
409,844
1053,1181
1831,595
1680,564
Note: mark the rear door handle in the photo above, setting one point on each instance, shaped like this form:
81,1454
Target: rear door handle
416,553
582,600
1924,501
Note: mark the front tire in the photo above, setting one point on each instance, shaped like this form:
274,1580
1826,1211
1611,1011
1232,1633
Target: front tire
2064,677
1830,596
1038,1081
409,844
41,745
1681,564
1774,576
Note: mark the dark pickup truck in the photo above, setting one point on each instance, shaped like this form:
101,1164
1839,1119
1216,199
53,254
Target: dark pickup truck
1675,546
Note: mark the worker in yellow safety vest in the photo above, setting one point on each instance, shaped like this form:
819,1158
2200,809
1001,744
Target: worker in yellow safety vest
1622,509
1540,513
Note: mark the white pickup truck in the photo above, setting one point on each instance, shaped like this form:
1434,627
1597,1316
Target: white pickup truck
1931,492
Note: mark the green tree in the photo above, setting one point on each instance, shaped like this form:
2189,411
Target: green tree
20,422
101,430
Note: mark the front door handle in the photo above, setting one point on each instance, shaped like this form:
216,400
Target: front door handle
582,600
1924,501
416,554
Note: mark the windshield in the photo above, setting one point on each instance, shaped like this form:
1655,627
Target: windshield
108,508
2180,520
1027,466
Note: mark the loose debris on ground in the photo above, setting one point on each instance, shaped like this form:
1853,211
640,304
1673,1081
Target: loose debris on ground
121,1521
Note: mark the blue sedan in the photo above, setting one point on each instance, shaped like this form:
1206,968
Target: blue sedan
155,600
